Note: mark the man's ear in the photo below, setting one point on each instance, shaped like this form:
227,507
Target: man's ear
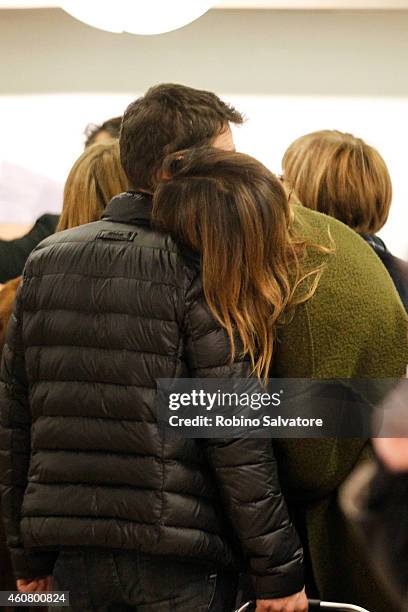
163,175
174,167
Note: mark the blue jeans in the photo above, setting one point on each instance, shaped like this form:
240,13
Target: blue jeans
121,581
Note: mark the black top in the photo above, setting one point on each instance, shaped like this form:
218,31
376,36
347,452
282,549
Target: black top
14,253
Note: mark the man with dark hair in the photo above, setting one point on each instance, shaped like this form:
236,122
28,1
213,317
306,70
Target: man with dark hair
93,491
170,118
108,130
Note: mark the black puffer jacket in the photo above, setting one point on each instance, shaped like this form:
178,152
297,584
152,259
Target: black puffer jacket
104,310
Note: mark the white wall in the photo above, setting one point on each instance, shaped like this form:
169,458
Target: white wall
290,72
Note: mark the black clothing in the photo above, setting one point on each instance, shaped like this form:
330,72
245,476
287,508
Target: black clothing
376,501
397,268
14,253
122,581
105,310
387,509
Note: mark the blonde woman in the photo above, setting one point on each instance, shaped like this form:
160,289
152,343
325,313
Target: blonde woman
14,253
95,178
342,176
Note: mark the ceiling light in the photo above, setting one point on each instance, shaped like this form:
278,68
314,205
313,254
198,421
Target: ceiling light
144,17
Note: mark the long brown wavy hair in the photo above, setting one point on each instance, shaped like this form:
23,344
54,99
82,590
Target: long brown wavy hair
235,212
341,175
94,179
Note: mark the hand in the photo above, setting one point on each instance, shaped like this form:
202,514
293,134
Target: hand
294,603
37,585
393,452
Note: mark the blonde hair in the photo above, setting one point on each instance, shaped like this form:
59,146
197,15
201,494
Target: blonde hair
94,179
340,175
235,212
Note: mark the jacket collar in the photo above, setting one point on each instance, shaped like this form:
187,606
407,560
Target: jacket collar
132,207
135,207
375,242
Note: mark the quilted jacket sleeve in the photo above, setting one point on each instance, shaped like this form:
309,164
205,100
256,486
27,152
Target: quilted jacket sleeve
15,426
245,469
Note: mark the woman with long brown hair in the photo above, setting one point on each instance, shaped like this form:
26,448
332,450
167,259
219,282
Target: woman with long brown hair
342,176
218,202
300,295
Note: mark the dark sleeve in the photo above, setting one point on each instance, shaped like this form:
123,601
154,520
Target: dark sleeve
15,428
246,471
14,253
387,536
376,501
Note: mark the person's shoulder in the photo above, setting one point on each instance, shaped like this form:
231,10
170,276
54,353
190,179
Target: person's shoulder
141,246
106,232
60,249
349,250
314,225
353,274
82,233
48,222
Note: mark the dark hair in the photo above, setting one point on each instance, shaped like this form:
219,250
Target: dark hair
235,212
166,119
111,126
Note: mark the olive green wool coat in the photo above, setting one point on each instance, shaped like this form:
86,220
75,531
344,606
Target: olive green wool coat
354,326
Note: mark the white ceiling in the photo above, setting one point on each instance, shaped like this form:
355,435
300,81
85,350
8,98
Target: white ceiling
314,4
252,4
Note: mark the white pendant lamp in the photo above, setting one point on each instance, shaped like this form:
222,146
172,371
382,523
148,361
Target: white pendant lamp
144,17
